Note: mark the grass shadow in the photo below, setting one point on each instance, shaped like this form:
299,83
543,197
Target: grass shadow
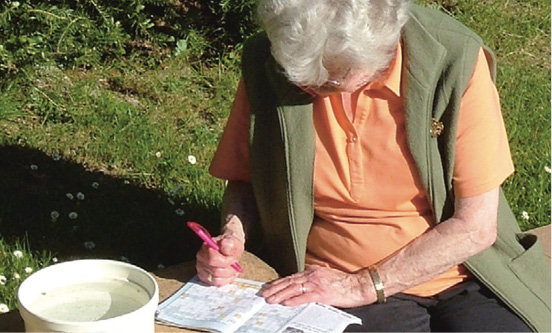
120,218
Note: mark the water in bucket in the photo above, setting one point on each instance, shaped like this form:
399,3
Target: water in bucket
90,301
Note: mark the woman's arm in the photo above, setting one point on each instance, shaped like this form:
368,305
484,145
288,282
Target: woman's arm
472,229
239,211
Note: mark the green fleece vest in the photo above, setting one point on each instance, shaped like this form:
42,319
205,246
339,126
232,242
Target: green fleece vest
439,57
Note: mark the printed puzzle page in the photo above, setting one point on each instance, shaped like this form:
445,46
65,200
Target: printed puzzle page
237,307
307,318
218,309
320,318
270,318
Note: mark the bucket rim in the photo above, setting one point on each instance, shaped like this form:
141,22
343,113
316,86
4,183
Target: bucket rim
27,314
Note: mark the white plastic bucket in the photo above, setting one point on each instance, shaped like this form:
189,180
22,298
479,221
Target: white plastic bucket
90,295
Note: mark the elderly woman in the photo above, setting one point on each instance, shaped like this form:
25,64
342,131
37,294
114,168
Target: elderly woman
364,154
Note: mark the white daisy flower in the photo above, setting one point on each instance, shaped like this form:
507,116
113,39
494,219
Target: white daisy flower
28,270
547,169
525,215
192,159
80,196
4,308
54,260
158,154
18,254
69,196
3,280
54,215
73,215
95,185
34,167
179,212
89,245
16,276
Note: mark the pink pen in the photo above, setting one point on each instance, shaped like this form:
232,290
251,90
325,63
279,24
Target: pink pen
206,237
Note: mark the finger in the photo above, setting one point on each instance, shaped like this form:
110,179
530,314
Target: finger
294,278
210,261
204,276
276,286
212,258
201,263
218,272
284,294
231,246
212,279
219,281
285,280
300,299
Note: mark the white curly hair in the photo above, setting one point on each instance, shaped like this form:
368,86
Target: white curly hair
316,40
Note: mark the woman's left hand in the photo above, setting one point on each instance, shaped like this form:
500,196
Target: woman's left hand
319,284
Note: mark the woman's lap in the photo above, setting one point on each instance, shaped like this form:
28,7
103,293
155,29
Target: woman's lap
468,307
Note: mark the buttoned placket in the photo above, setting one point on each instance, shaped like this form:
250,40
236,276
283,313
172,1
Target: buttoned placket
353,123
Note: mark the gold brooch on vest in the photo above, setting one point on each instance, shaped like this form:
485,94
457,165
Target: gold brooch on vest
437,128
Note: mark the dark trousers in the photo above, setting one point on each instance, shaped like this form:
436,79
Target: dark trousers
466,307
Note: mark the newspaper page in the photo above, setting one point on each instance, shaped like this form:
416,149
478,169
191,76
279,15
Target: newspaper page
270,318
306,318
217,309
238,307
320,318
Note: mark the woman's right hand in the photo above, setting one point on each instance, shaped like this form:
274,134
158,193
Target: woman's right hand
239,210
214,267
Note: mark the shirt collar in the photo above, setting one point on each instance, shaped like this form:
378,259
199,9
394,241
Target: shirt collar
391,79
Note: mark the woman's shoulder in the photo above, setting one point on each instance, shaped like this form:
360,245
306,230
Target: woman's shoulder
439,24
257,45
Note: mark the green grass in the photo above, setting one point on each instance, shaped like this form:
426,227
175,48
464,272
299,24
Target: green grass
18,262
121,133
130,129
519,34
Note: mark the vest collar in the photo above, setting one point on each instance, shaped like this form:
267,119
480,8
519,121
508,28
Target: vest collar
287,92
421,71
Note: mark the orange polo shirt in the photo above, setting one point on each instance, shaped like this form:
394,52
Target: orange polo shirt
368,200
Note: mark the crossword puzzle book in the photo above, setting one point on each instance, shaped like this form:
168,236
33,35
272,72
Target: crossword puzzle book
237,307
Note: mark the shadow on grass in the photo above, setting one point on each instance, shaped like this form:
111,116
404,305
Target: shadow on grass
120,218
